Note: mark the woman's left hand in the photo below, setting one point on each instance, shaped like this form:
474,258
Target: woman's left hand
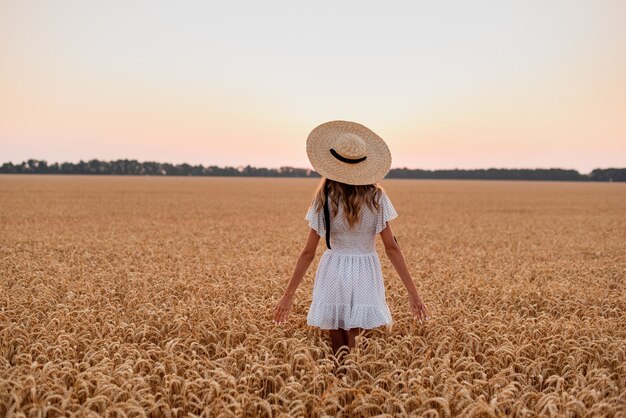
282,309
418,308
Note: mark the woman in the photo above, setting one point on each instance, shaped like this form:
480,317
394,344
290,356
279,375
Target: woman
349,293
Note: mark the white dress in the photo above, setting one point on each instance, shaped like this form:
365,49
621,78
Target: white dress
349,291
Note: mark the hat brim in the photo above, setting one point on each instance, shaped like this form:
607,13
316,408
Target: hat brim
373,169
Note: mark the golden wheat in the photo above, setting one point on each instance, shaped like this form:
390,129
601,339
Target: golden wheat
127,296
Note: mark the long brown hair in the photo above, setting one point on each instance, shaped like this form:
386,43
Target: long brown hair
351,196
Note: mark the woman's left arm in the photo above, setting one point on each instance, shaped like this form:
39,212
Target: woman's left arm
306,257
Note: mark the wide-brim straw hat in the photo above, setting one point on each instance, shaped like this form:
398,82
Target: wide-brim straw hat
348,152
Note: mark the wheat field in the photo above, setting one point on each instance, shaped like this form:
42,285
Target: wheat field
150,296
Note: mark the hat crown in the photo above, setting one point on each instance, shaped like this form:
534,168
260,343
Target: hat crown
350,145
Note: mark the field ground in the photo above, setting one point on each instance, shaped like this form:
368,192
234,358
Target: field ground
146,295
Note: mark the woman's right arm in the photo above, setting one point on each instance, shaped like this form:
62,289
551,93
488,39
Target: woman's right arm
283,307
393,251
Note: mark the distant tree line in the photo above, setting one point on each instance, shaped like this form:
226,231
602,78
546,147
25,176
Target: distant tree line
151,168
608,174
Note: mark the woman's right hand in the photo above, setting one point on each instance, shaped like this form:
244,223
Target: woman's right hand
418,308
282,309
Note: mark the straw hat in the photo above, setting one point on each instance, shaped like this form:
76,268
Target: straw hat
348,152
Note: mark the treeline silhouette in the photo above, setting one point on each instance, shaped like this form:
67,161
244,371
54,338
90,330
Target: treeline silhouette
151,168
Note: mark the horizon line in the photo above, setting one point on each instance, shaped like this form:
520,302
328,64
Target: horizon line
296,167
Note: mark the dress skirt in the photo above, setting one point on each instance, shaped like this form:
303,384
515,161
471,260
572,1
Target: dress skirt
349,292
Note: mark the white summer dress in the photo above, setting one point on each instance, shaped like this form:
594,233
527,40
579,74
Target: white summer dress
349,291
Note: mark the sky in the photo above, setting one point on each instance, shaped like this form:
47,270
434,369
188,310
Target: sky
447,84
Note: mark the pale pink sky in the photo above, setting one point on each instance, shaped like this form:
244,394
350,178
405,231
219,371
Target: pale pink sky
446,84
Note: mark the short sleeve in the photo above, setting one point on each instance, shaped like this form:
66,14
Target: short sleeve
386,212
316,219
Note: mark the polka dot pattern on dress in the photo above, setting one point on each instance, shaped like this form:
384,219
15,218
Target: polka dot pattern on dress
349,291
